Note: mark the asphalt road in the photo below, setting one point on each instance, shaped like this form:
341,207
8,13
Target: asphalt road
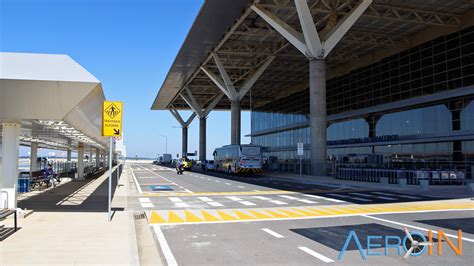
217,219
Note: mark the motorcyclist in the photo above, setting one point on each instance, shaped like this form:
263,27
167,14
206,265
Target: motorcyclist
179,166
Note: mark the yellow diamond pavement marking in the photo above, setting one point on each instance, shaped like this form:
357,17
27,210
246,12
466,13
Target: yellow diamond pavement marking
302,212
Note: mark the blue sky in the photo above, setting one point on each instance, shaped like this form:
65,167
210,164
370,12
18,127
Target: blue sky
129,45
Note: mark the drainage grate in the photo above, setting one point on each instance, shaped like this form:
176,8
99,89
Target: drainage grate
139,216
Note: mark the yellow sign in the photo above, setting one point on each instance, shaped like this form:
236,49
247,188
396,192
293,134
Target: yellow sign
112,119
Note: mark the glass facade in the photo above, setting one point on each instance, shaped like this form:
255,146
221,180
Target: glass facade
426,135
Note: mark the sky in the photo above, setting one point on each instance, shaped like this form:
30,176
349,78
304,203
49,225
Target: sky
129,45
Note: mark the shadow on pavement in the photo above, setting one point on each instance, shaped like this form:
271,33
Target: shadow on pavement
74,196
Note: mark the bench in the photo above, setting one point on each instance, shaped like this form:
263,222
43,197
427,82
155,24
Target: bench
4,213
38,179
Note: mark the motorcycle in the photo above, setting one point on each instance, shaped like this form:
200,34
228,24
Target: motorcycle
180,169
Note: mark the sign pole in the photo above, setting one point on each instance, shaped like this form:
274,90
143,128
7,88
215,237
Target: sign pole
110,178
301,166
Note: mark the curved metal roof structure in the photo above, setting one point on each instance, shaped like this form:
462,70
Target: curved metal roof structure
57,102
243,41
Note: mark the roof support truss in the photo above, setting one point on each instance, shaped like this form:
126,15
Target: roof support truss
309,42
180,120
227,86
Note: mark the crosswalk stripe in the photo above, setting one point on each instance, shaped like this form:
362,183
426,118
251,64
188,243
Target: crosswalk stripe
234,198
287,197
247,203
147,205
277,202
205,199
181,204
306,201
143,200
261,198
175,199
214,204
290,213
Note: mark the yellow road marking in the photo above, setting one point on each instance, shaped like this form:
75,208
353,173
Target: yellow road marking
226,217
209,217
191,217
156,219
262,214
173,218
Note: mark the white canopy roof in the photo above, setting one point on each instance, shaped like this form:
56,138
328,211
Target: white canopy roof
51,93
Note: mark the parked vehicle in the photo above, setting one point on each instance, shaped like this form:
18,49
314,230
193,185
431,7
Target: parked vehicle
166,159
238,159
188,164
209,166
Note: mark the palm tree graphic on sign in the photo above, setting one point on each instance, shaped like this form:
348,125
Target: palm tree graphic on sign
112,111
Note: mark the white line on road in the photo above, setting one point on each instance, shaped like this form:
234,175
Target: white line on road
306,201
414,227
277,235
234,198
143,200
247,203
205,199
175,199
147,205
165,248
136,182
316,254
277,202
181,204
261,198
217,181
228,184
240,186
287,197
256,190
324,198
214,204
189,191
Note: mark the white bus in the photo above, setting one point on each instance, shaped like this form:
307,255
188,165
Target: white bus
238,159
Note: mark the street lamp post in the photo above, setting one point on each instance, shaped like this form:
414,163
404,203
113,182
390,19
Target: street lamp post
166,139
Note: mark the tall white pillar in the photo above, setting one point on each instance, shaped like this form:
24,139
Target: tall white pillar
80,161
317,109
33,156
9,162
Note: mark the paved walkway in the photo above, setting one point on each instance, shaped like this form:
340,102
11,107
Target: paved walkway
69,226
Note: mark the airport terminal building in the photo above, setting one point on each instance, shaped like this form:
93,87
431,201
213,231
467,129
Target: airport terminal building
413,109
370,84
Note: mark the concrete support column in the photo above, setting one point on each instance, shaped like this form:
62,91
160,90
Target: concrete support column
317,109
69,155
202,138
9,164
33,156
235,122
184,149
80,161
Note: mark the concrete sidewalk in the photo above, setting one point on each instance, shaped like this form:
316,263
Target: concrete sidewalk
69,226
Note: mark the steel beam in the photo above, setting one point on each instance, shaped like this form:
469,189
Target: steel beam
251,81
336,34
310,33
293,36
